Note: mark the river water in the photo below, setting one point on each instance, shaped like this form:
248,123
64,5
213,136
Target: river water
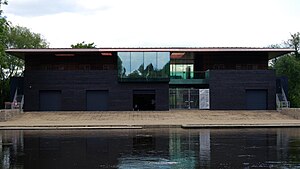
151,148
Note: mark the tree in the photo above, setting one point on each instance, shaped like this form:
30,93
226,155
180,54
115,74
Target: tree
83,45
19,37
15,37
22,37
2,2
294,42
3,39
3,32
274,60
289,66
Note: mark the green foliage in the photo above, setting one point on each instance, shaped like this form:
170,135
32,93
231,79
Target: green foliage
22,37
294,42
14,37
2,2
17,37
4,27
3,37
84,45
290,66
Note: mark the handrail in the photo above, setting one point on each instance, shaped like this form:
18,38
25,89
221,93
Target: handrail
22,103
15,104
189,74
277,102
286,102
16,94
283,94
14,101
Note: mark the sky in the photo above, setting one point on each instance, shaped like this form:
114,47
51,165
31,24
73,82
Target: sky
158,23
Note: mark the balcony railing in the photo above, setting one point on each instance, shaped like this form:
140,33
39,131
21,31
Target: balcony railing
190,75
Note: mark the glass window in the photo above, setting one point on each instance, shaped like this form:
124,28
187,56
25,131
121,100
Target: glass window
163,64
182,65
182,71
150,64
124,64
144,66
137,65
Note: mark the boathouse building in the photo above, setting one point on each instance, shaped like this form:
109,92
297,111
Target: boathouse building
148,78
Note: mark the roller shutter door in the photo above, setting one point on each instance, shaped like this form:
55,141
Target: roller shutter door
50,100
256,99
96,100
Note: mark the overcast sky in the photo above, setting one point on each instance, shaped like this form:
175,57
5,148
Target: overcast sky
158,23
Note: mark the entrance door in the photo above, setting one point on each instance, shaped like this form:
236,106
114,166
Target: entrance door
143,100
256,99
50,100
186,98
97,100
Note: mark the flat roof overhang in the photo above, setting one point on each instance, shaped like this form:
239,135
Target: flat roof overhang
272,52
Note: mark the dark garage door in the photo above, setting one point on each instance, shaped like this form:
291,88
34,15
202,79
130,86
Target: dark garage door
256,99
144,100
50,100
96,100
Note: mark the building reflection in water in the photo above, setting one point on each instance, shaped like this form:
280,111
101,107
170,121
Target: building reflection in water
204,148
11,149
182,149
151,148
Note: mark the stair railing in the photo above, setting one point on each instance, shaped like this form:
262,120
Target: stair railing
14,101
278,104
22,103
286,102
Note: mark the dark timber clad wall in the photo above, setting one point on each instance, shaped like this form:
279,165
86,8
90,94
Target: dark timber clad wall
228,87
74,83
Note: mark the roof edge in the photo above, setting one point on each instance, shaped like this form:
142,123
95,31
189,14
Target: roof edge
171,49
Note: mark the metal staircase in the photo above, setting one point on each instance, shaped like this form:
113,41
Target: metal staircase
281,100
18,101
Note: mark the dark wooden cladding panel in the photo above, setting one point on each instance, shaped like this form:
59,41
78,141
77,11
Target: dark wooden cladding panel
78,61
228,87
74,84
231,60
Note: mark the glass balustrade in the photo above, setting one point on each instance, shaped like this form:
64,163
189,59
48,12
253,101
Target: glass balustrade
189,75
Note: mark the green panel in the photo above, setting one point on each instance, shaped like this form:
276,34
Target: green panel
188,81
143,79
187,75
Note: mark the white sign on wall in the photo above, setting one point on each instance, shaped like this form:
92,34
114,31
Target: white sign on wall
203,98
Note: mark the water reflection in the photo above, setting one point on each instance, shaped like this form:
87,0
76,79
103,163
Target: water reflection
204,148
11,149
151,148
